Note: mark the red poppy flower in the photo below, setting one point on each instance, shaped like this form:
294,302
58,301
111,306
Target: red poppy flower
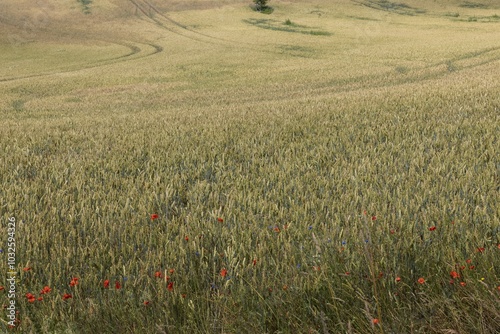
452,281
223,272
433,228
398,279
146,302
498,288
375,321
472,267
468,260
480,249
374,218
392,231
106,283
171,271
74,281
498,246
67,296
454,274
421,280
118,286
220,220
463,283
45,290
31,298
183,295
27,269
186,238
254,262
154,216
158,274
170,286
276,229
39,299
2,288
364,212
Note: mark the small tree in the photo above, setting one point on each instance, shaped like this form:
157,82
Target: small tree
260,4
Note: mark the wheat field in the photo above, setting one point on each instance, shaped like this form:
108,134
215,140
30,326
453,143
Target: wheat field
202,167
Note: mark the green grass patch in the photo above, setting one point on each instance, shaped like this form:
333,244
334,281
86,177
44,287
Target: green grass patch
395,7
363,18
18,105
290,27
486,19
402,69
85,5
468,4
297,50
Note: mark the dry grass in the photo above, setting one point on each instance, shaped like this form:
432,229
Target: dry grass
187,111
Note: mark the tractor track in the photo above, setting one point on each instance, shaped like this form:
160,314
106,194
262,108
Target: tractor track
191,30
134,47
430,72
143,8
175,27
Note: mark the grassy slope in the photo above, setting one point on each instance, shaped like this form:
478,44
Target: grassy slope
202,110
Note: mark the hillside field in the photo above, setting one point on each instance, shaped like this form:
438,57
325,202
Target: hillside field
197,166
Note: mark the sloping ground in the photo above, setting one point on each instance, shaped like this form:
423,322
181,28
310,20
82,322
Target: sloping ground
118,31
181,5
44,38
483,11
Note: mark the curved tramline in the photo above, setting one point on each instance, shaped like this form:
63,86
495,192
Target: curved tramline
165,22
163,15
170,25
466,61
137,51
